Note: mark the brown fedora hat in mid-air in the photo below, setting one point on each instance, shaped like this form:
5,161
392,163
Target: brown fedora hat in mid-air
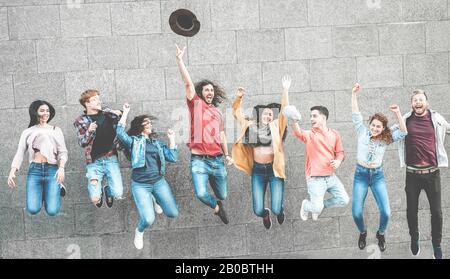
183,22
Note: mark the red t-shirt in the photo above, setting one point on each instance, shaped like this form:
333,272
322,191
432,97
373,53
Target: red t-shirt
420,141
206,124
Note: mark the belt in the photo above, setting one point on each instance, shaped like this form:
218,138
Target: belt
422,171
368,166
206,156
109,154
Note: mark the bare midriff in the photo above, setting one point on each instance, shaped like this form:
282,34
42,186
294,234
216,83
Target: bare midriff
263,154
39,158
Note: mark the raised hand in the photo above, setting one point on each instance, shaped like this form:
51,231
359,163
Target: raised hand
292,113
180,52
126,108
394,108
356,88
286,81
240,92
171,135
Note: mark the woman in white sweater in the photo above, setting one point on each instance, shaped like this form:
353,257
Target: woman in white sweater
47,155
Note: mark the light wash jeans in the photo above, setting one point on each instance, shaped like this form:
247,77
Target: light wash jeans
143,195
373,178
42,186
212,170
109,167
318,186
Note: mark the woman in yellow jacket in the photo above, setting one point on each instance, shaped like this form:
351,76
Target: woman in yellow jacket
259,152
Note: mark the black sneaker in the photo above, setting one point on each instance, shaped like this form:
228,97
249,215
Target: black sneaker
222,214
281,217
437,252
415,246
108,198
266,219
381,242
100,202
62,191
362,240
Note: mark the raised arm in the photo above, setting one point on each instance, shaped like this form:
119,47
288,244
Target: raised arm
282,120
237,113
120,131
293,114
355,90
398,134
188,84
357,118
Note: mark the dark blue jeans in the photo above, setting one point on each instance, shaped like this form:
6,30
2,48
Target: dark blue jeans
41,186
213,170
262,175
373,178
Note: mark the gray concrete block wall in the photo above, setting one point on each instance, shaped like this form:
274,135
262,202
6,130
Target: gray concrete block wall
55,49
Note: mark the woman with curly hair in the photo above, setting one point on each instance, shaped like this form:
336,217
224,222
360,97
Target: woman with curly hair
372,143
148,158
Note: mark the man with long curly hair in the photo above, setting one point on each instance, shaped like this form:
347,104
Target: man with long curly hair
208,142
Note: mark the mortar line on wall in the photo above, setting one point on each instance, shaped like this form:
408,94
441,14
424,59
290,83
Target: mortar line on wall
14,89
236,46
259,14
110,19
403,69
60,22
160,18
115,85
7,23
284,42
87,54
307,13
35,42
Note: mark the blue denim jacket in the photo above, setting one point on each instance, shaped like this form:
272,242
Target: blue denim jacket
136,144
364,140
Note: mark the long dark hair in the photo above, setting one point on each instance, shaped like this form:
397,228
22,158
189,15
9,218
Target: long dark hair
136,129
257,113
219,93
33,111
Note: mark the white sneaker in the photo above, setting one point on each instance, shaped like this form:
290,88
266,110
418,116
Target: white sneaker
138,239
303,213
315,216
157,207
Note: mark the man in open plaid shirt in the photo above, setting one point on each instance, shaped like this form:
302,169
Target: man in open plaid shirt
96,132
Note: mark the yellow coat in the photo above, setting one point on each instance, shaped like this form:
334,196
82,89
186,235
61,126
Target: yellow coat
243,154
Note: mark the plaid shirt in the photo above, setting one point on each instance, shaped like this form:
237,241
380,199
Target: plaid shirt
86,138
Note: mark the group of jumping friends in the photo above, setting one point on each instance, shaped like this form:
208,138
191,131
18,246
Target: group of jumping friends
258,152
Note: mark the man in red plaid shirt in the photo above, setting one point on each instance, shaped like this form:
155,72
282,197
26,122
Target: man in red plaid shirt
96,131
